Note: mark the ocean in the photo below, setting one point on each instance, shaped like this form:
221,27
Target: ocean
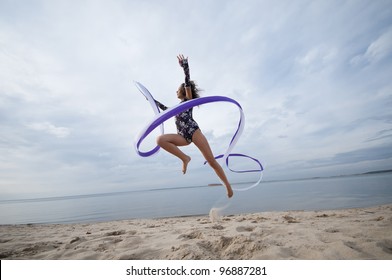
306,194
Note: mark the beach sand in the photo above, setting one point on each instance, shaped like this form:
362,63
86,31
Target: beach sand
364,233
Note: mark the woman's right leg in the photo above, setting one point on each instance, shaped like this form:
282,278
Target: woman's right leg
201,142
170,143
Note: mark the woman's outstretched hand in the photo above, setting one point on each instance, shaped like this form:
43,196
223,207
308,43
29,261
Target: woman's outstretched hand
182,60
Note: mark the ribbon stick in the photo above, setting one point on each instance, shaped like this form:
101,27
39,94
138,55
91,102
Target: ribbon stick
161,117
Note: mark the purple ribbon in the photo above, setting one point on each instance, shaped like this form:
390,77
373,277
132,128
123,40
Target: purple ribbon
161,117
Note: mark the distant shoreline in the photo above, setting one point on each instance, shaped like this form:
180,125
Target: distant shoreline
32,199
314,178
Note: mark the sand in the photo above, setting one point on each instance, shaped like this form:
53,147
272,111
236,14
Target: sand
348,234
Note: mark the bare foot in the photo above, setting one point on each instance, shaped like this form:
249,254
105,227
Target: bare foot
229,191
185,164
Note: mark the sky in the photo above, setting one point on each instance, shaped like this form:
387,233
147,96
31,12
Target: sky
313,78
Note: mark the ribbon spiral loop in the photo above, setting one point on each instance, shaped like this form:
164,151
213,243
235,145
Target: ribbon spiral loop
161,117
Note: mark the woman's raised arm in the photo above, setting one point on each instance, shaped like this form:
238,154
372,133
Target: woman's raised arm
185,66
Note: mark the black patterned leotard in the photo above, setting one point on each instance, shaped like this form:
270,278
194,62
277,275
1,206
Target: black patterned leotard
185,123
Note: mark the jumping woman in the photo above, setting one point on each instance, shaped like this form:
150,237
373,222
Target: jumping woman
188,130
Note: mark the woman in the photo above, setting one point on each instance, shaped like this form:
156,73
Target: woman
188,131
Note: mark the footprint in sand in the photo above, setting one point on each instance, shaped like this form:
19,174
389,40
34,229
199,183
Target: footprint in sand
322,216
76,239
75,242
192,235
115,233
4,255
217,227
332,230
386,246
290,219
245,229
203,221
357,248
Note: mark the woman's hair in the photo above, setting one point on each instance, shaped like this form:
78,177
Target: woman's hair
195,89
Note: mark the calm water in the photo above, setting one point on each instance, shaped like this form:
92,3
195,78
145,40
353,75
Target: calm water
309,194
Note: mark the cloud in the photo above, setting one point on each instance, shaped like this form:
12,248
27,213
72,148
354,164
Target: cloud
58,131
378,50
317,59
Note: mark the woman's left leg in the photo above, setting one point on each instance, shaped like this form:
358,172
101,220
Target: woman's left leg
201,142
